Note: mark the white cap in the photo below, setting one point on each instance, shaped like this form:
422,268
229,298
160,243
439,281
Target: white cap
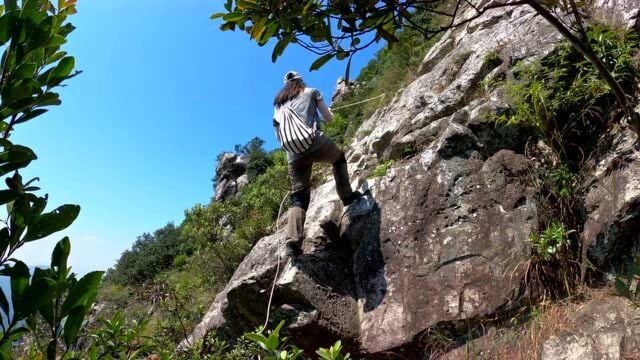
291,75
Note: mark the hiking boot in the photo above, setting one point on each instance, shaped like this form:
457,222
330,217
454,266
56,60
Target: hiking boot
292,249
355,195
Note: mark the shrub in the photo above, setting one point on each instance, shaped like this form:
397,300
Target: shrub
337,129
563,97
333,353
117,338
550,241
563,182
252,213
381,170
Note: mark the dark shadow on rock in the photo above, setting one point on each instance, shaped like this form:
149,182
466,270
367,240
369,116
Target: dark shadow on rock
331,284
350,262
361,230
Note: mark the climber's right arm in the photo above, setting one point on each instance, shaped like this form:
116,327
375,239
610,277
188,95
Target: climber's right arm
325,111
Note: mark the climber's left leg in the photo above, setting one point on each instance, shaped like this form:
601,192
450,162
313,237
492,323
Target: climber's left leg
300,175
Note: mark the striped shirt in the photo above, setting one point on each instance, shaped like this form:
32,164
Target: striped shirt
306,106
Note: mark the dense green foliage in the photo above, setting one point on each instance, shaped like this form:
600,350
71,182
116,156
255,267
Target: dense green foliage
563,97
266,344
119,339
149,255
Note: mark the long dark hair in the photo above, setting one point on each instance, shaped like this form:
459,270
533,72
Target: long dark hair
290,91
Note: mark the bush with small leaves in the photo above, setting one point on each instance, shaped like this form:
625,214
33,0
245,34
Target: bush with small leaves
272,346
550,241
333,353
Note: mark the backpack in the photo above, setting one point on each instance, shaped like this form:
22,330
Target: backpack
294,134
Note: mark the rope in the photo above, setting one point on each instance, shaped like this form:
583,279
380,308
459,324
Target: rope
359,102
275,279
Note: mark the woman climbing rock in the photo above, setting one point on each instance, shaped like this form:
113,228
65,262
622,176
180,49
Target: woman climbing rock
296,123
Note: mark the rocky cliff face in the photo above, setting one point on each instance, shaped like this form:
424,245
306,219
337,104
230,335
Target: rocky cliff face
230,176
440,240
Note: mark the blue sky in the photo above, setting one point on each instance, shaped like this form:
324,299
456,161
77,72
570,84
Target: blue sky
135,140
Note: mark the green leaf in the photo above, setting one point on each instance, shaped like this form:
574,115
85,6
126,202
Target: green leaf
272,342
274,338
248,5
16,154
72,324
60,255
11,4
234,17
37,294
26,69
258,29
61,71
48,99
217,16
8,196
49,223
29,115
272,28
7,24
258,339
82,291
622,289
4,303
55,57
19,275
387,35
55,41
321,61
52,349
280,47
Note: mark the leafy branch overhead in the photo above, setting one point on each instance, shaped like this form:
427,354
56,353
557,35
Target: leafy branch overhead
330,29
339,29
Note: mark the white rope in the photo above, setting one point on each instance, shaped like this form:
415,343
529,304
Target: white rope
358,103
275,279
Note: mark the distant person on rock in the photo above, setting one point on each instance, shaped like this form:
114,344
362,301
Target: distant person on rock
296,123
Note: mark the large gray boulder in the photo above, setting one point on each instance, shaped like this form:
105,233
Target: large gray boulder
440,239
